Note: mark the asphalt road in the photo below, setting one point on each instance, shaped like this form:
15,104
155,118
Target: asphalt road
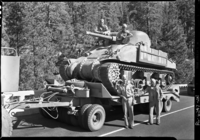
178,123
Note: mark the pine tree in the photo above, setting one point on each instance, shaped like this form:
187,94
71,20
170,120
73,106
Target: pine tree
147,17
187,17
14,24
114,18
48,31
173,41
138,16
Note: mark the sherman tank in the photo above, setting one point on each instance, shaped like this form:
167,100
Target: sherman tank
107,61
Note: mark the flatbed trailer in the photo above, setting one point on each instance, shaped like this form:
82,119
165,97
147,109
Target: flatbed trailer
83,103
76,102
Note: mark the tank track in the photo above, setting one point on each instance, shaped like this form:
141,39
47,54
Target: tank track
107,80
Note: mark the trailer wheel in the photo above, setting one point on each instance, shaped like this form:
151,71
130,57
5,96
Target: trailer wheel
95,117
167,105
6,123
81,114
161,108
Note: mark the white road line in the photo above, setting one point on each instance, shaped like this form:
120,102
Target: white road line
145,121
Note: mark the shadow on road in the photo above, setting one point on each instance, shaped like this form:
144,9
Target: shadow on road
36,120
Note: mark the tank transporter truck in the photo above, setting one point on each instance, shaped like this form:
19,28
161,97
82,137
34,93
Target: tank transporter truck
89,89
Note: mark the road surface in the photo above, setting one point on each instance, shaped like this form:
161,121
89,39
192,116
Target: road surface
178,123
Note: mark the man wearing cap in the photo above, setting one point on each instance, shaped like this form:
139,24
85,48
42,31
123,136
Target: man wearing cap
102,28
124,34
155,99
125,91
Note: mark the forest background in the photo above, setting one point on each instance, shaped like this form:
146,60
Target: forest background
40,30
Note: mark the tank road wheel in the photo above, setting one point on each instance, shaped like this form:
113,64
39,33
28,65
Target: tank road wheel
95,117
161,108
167,105
6,123
81,114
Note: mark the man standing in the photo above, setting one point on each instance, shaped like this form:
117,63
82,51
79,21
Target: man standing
125,91
155,99
123,35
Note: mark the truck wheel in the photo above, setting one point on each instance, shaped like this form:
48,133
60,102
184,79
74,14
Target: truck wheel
73,120
6,123
161,108
167,105
94,117
81,114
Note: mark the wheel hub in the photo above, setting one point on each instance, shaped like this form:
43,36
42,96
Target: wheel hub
96,118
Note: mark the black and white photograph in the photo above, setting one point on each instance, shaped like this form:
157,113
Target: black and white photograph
98,69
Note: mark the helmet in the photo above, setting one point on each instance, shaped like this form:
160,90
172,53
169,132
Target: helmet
124,25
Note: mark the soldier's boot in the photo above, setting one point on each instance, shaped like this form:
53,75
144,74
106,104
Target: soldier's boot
158,121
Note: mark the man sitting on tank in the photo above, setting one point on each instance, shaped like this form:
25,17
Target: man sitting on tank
102,29
123,35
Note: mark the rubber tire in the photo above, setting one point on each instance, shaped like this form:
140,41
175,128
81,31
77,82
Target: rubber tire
89,115
6,123
81,114
167,105
160,109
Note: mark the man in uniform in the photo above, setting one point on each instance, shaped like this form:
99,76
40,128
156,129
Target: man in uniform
123,35
155,99
125,91
102,29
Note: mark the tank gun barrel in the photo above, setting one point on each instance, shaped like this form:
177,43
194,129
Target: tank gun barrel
99,35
